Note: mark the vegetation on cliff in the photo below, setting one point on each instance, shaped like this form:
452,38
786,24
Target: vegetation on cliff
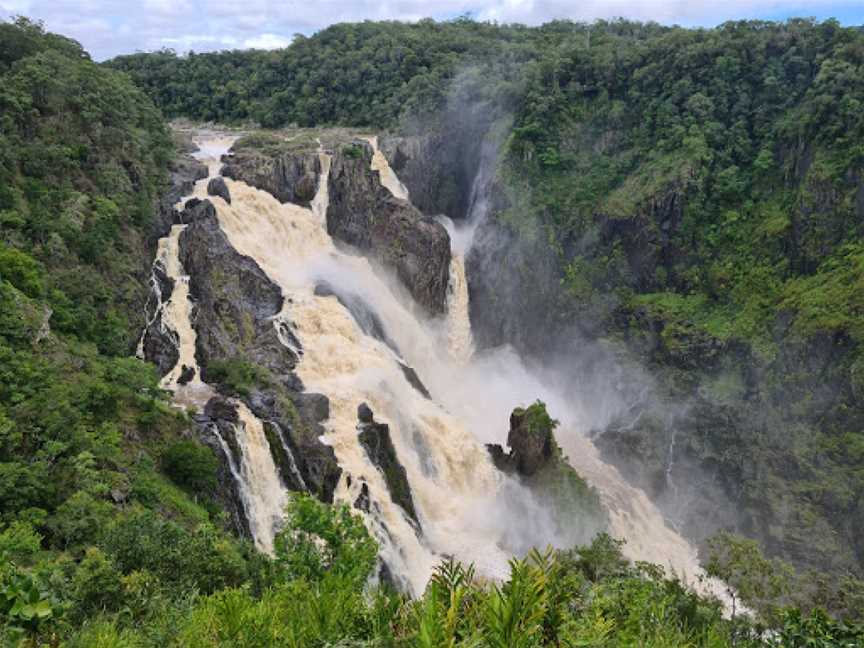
86,513
703,192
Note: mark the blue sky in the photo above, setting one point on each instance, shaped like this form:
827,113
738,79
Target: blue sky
110,27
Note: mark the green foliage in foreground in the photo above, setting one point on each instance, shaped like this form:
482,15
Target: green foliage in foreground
314,593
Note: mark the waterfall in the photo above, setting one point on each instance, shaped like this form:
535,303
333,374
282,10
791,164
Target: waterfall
460,340
262,493
466,508
385,173
156,295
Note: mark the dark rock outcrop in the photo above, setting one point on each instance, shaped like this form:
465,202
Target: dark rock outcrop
219,420
365,215
305,464
532,446
184,172
369,322
235,302
440,166
187,375
161,343
217,187
289,175
537,461
414,380
196,209
234,320
161,346
367,319
375,439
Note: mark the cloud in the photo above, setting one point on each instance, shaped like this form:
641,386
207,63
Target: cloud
110,27
267,42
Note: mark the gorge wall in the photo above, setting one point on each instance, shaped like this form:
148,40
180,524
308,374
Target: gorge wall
709,424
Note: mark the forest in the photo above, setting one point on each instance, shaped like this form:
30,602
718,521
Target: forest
109,535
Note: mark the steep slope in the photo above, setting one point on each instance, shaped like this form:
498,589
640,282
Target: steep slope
98,475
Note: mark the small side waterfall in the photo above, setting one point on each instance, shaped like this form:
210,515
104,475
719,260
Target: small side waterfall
159,304
264,495
388,177
178,310
460,339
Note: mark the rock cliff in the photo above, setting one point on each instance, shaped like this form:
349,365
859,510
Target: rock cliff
366,216
375,439
290,174
241,349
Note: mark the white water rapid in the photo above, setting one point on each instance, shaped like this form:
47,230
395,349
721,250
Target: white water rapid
466,508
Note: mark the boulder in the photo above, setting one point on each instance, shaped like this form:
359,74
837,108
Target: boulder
187,374
196,209
363,214
217,187
364,413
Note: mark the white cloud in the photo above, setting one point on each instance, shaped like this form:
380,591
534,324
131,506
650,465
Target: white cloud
266,42
110,27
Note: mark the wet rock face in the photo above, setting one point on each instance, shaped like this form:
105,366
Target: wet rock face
367,319
438,168
220,418
196,209
292,423
365,215
235,302
161,347
217,187
160,344
184,172
289,176
375,439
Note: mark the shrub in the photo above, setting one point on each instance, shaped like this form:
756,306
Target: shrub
190,465
319,539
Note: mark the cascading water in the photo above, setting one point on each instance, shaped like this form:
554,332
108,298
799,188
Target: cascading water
260,487
465,507
263,493
387,176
